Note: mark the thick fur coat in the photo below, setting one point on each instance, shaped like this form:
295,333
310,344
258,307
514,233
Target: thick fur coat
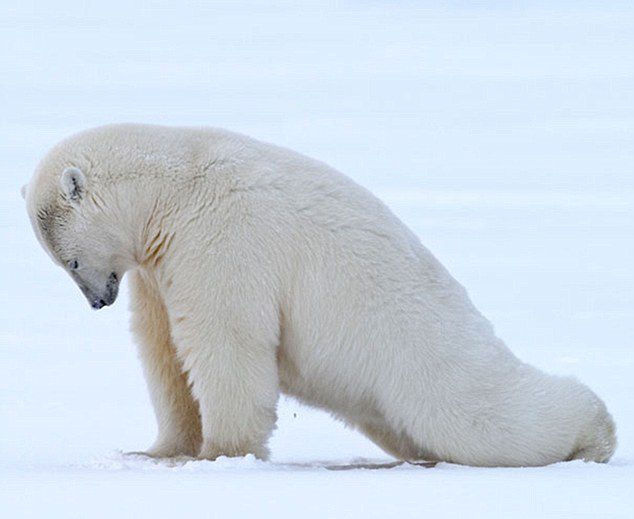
256,270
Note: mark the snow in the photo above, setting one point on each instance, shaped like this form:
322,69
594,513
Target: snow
502,133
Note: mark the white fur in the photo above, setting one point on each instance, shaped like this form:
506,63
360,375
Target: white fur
256,270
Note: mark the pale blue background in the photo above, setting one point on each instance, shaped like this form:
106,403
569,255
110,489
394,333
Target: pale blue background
501,132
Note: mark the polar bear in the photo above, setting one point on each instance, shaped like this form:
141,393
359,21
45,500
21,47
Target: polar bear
255,270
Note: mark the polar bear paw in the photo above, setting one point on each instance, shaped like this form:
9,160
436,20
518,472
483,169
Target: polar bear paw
212,451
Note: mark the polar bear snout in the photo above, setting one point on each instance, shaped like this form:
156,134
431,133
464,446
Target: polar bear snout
97,304
104,297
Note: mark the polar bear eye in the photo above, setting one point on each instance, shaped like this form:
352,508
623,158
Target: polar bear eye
73,264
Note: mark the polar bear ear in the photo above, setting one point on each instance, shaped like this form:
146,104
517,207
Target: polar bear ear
73,183
23,191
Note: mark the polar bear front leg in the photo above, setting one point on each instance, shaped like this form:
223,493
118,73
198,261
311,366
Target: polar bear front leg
228,345
177,416
233,376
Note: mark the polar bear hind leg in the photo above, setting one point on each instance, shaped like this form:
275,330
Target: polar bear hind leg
401,446
599,443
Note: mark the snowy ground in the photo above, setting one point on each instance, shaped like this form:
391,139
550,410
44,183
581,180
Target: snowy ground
504,136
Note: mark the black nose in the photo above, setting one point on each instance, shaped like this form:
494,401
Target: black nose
98,303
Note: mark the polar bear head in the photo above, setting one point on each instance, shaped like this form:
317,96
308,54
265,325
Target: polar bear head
77,218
